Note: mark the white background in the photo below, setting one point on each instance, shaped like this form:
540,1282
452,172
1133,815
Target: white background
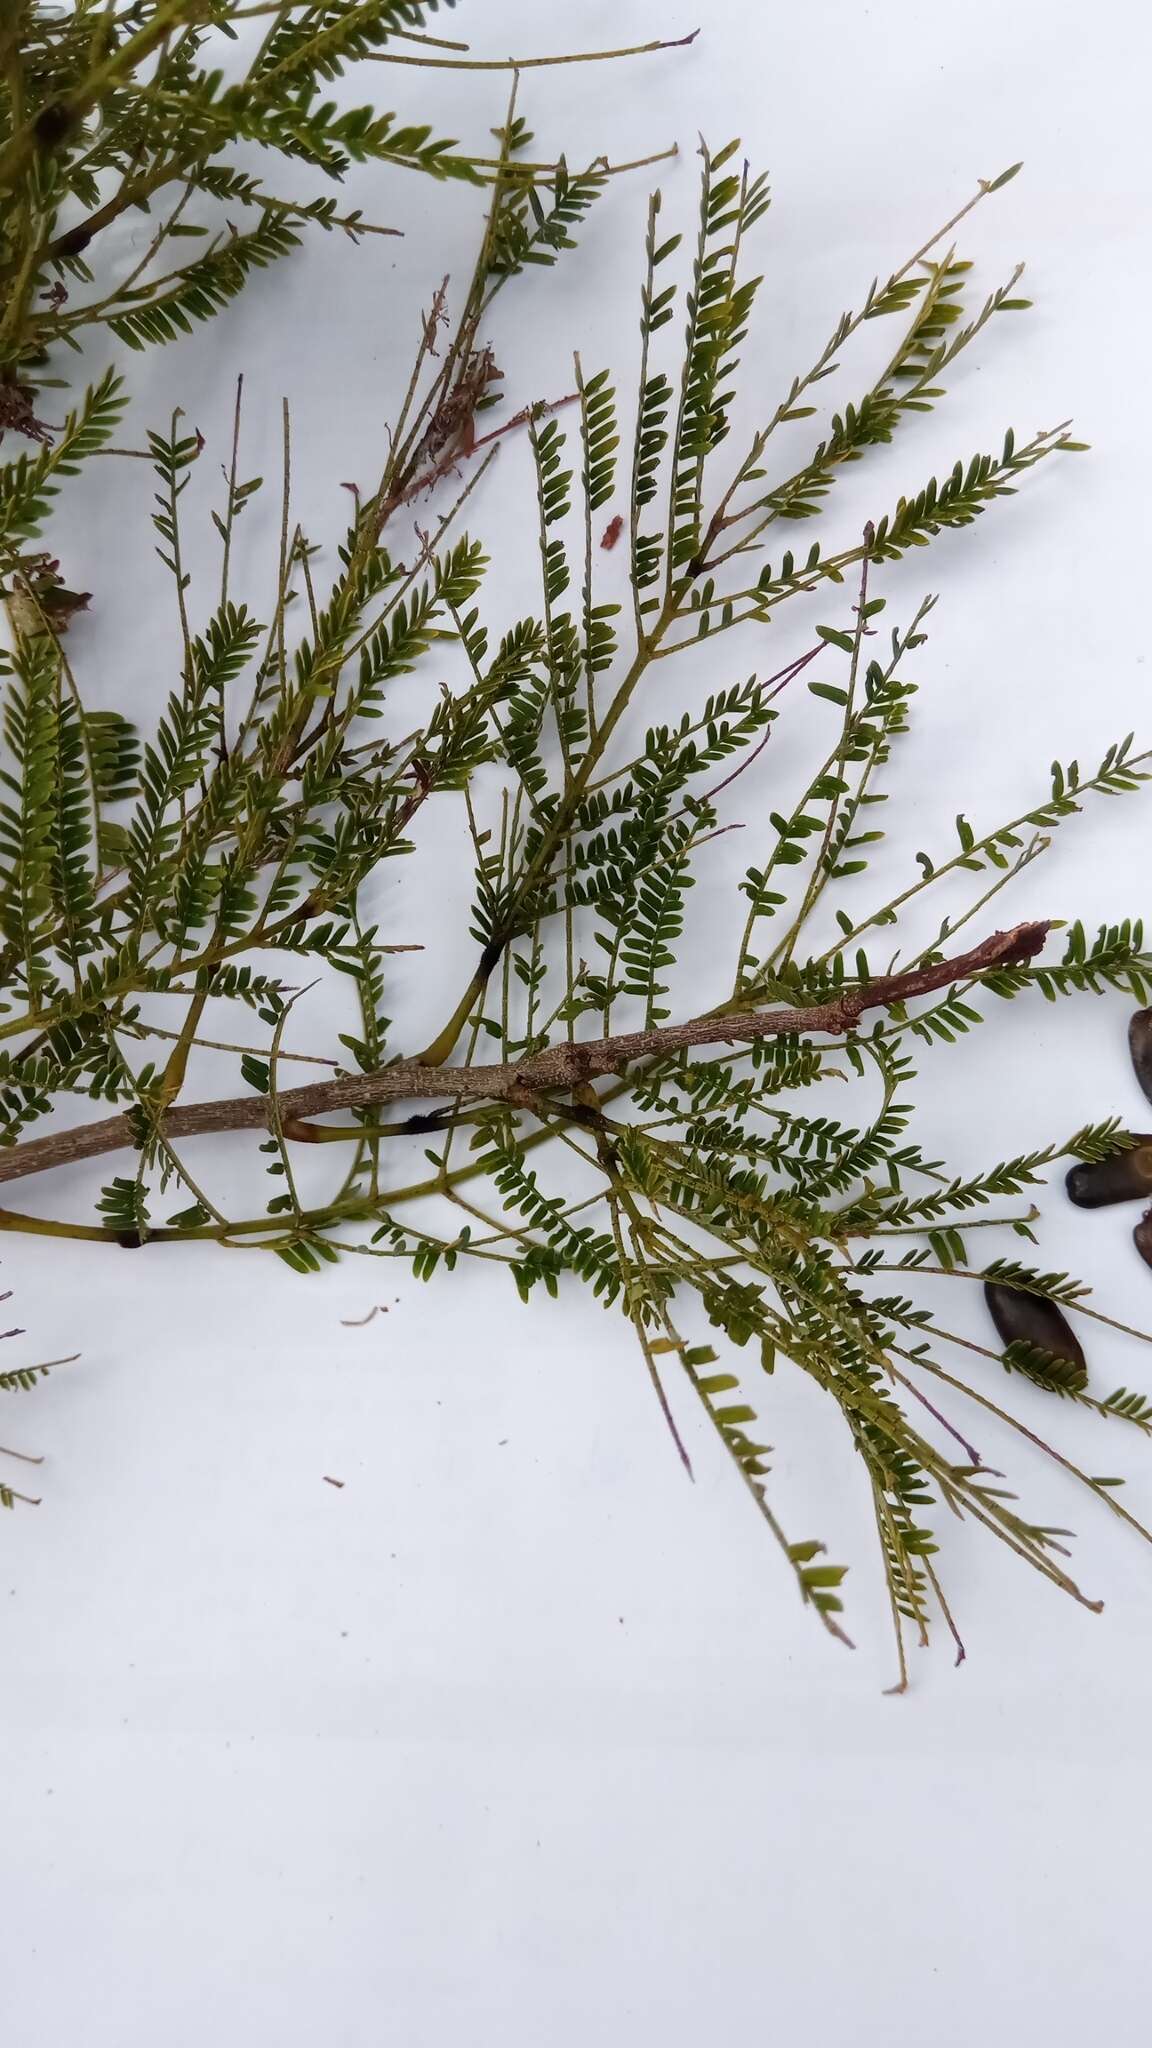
518,1738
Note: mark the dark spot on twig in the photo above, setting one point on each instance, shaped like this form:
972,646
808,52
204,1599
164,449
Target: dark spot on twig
74,242
53,125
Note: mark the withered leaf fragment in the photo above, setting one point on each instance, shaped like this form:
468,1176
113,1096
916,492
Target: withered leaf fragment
1140,1047
1036,1324
1125,1177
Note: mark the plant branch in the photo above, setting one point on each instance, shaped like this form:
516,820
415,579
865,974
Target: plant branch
563,1066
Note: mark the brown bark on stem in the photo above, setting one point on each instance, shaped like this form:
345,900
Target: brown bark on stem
563,1067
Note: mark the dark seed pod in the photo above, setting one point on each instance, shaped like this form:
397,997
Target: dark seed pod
1142,1238
1034,1321
1140,1047
1125,1177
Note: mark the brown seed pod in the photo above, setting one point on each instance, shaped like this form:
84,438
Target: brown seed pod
1125,1177
1142,1238
1140,1047
1031,1319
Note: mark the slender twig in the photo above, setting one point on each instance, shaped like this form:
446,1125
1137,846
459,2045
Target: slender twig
532,63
